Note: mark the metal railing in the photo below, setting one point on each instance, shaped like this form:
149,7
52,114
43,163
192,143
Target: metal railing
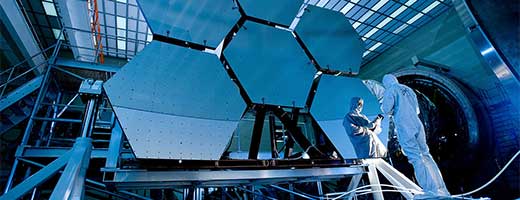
22,71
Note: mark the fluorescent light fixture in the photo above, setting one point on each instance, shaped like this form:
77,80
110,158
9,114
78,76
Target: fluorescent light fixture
121,22
57,34
49,8
370,33
349,6
368,14
401,28
322,3
379,5
375,46
366,53
121,44
415,18
431,7
389,19
121,33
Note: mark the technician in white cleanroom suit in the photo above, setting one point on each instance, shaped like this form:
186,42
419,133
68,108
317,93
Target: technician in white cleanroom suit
361,131
400,101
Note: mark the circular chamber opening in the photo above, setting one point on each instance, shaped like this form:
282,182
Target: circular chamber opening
449,121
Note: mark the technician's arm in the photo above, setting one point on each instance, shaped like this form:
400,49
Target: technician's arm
358,130
388,103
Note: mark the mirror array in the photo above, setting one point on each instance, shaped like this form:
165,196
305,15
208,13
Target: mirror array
183,86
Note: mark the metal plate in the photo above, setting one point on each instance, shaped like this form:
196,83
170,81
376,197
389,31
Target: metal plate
331,104
270,65
278,11
154,135
175,87
199,21
331,39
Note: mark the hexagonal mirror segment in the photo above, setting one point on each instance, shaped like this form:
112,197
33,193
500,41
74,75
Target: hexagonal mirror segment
332,102
331,39
270,65
204,22
171,101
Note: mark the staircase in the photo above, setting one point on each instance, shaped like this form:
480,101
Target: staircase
18,88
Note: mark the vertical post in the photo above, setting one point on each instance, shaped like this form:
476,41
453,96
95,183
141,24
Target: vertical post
88,119
71,184
114,146
257,132
354,182
291,188
272,133
320,188
374,180
54,115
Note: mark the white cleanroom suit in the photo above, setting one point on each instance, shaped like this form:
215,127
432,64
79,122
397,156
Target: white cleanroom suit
400,101
360,131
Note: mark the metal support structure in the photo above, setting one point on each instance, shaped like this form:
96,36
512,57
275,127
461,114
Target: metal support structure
36,179
256,138
291,124
395,177
374,181
272,133
320,188
89,118
114,147
354,182
30,123
72,181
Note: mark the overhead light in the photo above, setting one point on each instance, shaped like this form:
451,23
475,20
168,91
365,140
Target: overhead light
401,28
375,46
366,53
368,14
49,8
389,19
121,44
431,7
322,3
349,6
57,33
414,18
121,22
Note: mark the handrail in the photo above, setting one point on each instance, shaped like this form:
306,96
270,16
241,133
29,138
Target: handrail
27,59
11,70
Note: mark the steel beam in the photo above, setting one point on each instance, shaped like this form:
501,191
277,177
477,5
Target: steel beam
36,179
395,177
20,92
74,14
256,138
163,179
51,152
272,133
72,180
354,182
296,134
64,62
374,181
13,18
114,146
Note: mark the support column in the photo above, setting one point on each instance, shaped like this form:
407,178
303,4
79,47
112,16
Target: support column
374,181
72,180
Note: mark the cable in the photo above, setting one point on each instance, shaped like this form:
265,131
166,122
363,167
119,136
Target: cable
490,181
402,189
